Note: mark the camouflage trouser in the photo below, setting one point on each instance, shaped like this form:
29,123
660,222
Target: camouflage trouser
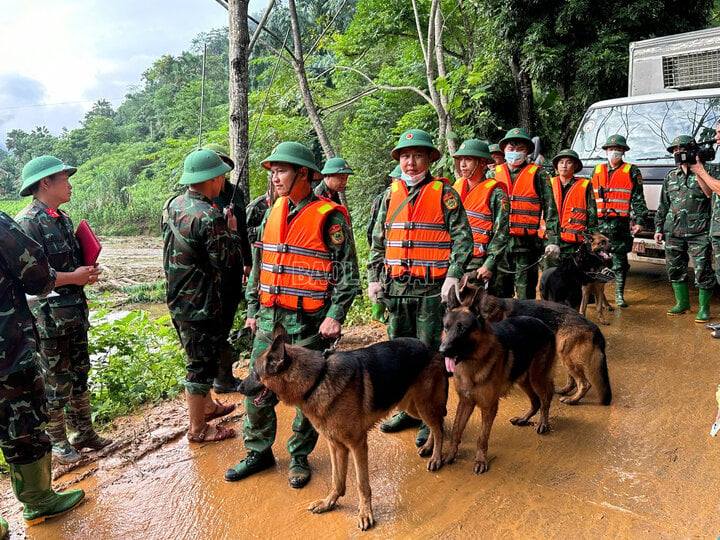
260,426
23,417
715,240
678,252
203,342
524,254
231,295
65,365
416,315
621,241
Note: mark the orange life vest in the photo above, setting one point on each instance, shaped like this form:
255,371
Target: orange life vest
613,200
417,242
479,213
296,263
572,210
525,208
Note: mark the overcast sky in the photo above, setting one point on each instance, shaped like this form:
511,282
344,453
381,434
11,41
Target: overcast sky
60,56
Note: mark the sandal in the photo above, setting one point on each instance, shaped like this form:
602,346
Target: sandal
220,411
221,434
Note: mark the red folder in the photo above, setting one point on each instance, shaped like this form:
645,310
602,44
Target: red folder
89,243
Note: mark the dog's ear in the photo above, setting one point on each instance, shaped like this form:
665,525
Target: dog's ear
474,300
279,331
276,359
453,301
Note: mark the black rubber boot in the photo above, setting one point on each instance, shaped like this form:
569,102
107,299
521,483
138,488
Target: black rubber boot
225,382
422,435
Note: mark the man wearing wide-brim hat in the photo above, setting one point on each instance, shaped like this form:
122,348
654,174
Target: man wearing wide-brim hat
305,277
497,155
63,320
421,247
199,243
531,200
575,201
336,172
622,211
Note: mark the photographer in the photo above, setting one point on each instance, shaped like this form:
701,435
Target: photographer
683,221
707,175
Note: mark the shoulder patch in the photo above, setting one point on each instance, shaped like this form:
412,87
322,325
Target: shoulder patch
450,201
337,236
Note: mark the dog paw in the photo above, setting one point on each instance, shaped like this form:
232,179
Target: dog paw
567,400
365,520
434,464
543,427
520,421
320,506
480,467
424,452
450,457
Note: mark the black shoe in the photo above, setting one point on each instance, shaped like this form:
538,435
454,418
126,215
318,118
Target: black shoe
422,435
713,326
253,463
300,472
226,386
399,422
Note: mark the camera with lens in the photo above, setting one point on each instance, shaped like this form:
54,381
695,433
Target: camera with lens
704,150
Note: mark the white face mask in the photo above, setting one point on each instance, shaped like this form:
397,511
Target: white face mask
614,156
412,180
515,158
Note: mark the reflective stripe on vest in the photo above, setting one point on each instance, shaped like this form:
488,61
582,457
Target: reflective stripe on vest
612,195
296,265
476,201
572,209
525,208
417,242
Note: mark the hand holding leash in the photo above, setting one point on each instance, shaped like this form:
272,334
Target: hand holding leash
449,286
552,251
374,291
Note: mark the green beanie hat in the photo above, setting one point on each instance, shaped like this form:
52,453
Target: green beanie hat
291,152
202,165
616,140
336,165
681,140
415,138
517,134
473,148
396,172
220,151
569,154
41,167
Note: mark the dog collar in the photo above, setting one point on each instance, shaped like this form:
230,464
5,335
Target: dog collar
320,377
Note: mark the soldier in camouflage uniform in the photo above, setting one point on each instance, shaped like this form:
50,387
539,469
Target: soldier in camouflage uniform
310,303
413,280
683,220
199,244
231,289
255,213
497,155
25,445
336,172
62,319
620,200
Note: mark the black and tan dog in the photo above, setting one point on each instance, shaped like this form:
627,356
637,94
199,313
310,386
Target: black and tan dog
487,360
579,343
347,393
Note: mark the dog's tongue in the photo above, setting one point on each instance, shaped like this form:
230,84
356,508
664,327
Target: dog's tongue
450,364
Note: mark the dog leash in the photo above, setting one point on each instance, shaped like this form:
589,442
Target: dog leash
528,267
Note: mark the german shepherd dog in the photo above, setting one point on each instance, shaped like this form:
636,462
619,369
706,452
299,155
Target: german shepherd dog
564,284
347,393
579,343
487,360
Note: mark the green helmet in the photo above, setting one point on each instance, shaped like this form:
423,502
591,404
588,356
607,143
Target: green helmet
41,167
291,152
517,134
202,165
220,151
473,148
415,138
681,140
494,149
616,140
570,154
336,165
396,172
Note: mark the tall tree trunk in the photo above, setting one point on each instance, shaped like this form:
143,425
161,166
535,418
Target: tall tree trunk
239,37
524,93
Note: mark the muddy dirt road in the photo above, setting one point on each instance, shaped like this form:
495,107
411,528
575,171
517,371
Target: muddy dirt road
645,467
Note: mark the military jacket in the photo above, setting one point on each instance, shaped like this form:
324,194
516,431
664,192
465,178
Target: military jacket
197,247
254,215
714,170
24,270
229,195
684,209
322,190
66,312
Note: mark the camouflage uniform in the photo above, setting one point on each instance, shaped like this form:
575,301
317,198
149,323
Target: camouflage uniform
254,216
713,170
322,190
62,323
194,256
23,269
683,215
260,421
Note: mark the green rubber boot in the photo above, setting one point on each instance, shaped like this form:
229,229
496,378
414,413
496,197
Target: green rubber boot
703,314
422,435
399,422
620,290
32,487
4,529
682,299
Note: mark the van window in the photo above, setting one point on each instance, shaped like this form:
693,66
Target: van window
649,127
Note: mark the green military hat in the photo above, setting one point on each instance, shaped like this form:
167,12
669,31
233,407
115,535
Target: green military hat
396,172
220,151
41,167
473,148
494,149
616,140
681,140
202,165
291,152
415,138
569,154
517,134
336,165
